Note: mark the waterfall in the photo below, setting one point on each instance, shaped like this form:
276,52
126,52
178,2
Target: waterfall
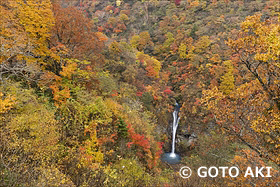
173,158
174,128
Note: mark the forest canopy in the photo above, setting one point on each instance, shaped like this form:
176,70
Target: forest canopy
88,87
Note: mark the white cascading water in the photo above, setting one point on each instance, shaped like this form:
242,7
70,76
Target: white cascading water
172,157
174,129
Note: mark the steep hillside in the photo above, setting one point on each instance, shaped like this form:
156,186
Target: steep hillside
88,87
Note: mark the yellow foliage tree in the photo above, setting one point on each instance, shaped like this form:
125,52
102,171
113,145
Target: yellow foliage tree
182,51
25,29
29,135
250,110
6,103
227,84
152,65
36,17
141,41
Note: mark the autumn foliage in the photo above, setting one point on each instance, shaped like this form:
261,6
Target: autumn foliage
88,87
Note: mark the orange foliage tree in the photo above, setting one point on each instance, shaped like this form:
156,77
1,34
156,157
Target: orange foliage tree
75,31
